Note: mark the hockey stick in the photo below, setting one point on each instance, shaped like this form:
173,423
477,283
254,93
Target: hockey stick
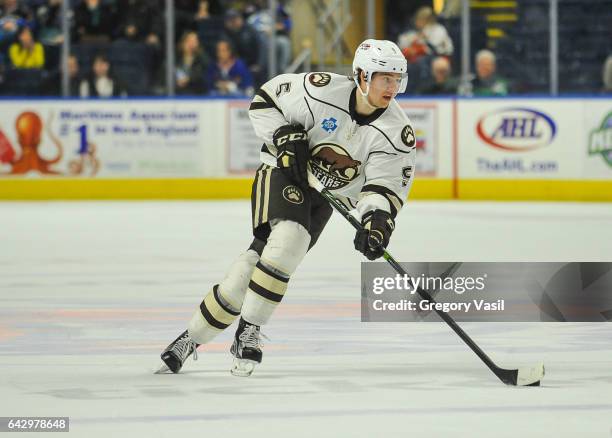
524,376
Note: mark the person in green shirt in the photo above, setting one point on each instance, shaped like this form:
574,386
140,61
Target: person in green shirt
487,82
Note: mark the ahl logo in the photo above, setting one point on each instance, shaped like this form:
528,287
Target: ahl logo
329,125
600,141
517,129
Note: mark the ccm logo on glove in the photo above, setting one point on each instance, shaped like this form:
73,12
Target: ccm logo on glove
293,153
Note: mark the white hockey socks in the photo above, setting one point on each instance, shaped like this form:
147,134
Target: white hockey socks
222,304
286,247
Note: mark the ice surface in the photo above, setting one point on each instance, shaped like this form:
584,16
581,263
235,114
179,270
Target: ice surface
90,294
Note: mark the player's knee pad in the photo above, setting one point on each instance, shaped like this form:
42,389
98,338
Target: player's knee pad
222,304
287,244
233,287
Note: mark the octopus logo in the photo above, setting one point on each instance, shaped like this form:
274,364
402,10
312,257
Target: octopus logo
333,165
29,126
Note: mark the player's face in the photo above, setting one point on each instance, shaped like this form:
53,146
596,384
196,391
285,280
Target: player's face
383,88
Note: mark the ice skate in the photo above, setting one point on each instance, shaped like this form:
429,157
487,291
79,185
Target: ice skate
246,349
175,354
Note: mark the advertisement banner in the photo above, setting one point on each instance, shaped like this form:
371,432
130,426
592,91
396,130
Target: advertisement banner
424,119
243,145
597,153
126,139
506,139
519,139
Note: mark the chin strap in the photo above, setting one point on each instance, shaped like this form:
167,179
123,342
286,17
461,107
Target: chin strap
365,96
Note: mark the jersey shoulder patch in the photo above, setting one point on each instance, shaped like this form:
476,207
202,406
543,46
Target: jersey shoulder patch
319,79
408,137
329,88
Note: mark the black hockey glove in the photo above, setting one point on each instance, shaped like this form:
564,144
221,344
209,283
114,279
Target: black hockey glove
291,143
374,237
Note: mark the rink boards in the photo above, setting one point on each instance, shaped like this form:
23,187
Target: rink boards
498,149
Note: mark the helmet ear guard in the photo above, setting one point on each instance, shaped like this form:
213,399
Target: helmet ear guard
366,79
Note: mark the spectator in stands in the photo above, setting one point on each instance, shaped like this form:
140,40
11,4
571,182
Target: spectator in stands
210,28
16,9
487,82
188,13
93,21
140,21
101,82
245,41
13,15
141,29
440,82
451,9
74,73
429,38
49,18
229,75
192,64
261,20
26,52
607,75
203,10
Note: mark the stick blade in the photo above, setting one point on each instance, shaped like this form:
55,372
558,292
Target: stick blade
523,376
530,376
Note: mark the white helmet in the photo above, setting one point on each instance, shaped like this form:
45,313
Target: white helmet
374,56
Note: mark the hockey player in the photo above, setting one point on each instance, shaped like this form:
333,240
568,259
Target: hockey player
355,138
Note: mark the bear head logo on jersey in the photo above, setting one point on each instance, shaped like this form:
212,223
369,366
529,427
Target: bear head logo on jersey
333,166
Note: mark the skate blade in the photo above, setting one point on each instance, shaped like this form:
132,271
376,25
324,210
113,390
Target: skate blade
242,367
162,369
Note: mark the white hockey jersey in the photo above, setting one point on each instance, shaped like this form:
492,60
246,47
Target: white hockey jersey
368,162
